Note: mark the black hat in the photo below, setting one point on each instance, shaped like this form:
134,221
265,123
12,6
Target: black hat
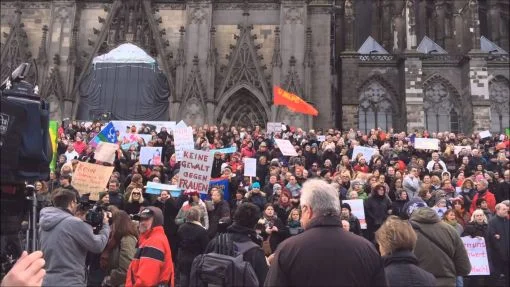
152,212
346,205
324,172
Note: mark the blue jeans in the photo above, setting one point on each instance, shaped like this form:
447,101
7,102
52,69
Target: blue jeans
460,281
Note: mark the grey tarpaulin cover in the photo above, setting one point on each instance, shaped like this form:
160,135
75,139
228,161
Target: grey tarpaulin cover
126,82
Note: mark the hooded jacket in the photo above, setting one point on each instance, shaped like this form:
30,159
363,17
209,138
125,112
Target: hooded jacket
446,261
65,241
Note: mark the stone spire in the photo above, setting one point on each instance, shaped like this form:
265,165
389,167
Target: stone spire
475,25
349,25
181,59
276,61
309,60
212,54
410,26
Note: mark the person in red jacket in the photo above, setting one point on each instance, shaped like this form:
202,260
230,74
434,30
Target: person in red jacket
152,264
483,192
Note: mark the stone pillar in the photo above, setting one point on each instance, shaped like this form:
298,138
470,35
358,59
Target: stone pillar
212,60
199,20
410,26
387,31
276,64
349,93
414,92
309,65
479,91
398,27
293,23
459,27
494,20
180,61
349,25
503,26
440,22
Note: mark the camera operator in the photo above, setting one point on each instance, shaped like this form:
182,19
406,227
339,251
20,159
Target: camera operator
66,239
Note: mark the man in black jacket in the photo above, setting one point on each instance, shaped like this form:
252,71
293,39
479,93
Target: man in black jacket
242,230
220,210
324,254
498,239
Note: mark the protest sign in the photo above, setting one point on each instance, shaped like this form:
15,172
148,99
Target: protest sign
367,152
458,148
105,152
123,126
91,178
250,166
181,125
127,146
183,141
286,147
321,138
150,155
156,188
485,134
425,143
195,171
477,253
221,184
274,127
224,150
130,138
358,210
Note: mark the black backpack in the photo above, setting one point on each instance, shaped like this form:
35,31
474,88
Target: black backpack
225,266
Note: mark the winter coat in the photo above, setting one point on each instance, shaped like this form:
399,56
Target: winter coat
499,247
134,207
431,257
152,264
401,268
467,196
397,206
258,199
488,196
283,212
65,241
192,242
354,224
341,258
376,211
181,216
275,238
120,258
221,210
474,229
255,256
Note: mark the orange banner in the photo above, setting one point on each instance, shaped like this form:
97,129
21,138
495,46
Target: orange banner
293,102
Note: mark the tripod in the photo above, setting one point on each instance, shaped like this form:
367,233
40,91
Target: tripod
31,242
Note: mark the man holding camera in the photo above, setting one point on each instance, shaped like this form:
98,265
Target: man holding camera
66,239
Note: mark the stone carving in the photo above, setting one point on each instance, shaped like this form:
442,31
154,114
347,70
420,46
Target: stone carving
499,96
245,64
294,15
55,108
269,5
194,96
292,82
437,98
376,106
292,119
276,61
197,16
193,113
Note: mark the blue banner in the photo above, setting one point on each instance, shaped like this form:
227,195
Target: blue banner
225,150
156,188
221,184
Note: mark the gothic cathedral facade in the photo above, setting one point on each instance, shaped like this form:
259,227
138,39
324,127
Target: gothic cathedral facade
437,65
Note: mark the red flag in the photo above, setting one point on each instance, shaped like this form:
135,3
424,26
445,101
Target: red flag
293,102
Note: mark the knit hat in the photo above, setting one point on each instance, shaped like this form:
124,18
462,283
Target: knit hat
276,186
346,205
411,206
152,212
223,166
255,185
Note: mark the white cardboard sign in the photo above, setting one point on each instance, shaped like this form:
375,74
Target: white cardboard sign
250,166
358,210
183,141
425,143
151,155
195,171
286,147
477,253
367,152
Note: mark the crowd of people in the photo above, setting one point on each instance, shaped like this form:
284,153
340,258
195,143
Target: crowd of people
417,204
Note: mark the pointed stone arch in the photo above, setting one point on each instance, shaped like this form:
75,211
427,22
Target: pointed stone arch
242,102
194,110
53,91
442,105
244,66
292,84
378,105
499,97
15,50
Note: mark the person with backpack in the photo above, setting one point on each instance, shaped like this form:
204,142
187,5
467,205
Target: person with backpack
234,258
192,242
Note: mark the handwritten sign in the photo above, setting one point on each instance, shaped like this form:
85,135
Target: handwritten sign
132,138
127,146
321,138
195,171
485,134
358,210
183,141
274,127
459,148
477,253
250,166
105,152
286,147
425,143
91,178
150,155
367,152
